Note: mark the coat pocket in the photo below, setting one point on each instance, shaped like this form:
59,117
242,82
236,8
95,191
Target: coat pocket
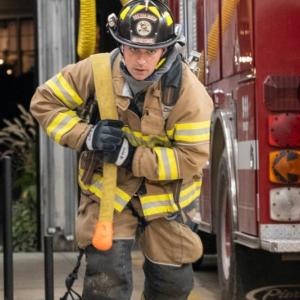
152,122
171,243
89,163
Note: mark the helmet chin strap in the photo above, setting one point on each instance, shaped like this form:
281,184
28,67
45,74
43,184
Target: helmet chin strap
163,57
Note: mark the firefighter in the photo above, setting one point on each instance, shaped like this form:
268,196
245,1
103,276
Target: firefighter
159,144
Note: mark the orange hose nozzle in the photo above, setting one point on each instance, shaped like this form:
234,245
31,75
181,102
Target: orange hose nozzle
102,239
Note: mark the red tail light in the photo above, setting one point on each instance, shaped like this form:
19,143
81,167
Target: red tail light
284,130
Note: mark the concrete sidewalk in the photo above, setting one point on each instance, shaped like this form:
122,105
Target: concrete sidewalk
29,276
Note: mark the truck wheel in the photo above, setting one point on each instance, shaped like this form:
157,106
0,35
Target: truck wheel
244,271
226,249
197,265
209,247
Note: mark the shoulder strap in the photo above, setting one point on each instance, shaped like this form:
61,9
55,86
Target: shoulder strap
101,66
171,84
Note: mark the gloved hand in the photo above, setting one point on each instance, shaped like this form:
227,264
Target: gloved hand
107,136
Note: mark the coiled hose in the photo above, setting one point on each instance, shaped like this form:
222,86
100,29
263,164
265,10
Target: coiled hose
87,29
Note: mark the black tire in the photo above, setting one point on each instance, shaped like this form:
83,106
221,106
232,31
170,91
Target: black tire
197,265
209,247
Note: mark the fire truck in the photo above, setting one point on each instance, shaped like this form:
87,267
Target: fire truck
246,52
248,58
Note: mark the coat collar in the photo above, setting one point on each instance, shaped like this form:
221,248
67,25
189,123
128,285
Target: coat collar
121,88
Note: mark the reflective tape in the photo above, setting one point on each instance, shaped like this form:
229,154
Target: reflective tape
190,132
167,163
158,204
137,9
64,92
136,138
155,11
168,18
124,13
62,124
121,197
189,194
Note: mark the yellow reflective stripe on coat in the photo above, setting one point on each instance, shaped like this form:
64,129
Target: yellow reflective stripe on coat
190,132
62,124
121,198
167,163
158,204
95,187
136,138
189,194
64,92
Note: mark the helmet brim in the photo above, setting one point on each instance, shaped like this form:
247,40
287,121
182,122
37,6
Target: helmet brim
164,44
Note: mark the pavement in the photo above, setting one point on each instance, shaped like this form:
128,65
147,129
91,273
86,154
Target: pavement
29,277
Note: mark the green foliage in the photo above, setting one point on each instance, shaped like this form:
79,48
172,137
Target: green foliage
25,221
17,140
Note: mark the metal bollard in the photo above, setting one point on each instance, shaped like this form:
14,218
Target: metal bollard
48,267
7,232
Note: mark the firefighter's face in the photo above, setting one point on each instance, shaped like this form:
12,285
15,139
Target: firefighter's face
141,63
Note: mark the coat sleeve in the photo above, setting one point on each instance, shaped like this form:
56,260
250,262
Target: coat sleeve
55,102
188,129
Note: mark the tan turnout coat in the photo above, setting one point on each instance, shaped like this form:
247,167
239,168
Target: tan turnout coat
172,142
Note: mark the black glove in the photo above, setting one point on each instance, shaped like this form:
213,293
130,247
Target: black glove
107,136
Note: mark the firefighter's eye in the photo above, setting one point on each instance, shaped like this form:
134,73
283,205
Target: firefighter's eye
133,50
151,51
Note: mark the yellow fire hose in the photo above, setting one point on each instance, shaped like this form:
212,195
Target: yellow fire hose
102,238
87,29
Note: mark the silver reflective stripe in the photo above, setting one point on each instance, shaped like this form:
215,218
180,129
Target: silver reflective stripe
192,131
156,204
190,144
72,103
166,162
182,199
121,201
60,126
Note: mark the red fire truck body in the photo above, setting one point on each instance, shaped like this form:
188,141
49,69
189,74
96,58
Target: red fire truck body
250,198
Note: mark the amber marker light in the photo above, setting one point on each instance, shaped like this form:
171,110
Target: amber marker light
284,166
